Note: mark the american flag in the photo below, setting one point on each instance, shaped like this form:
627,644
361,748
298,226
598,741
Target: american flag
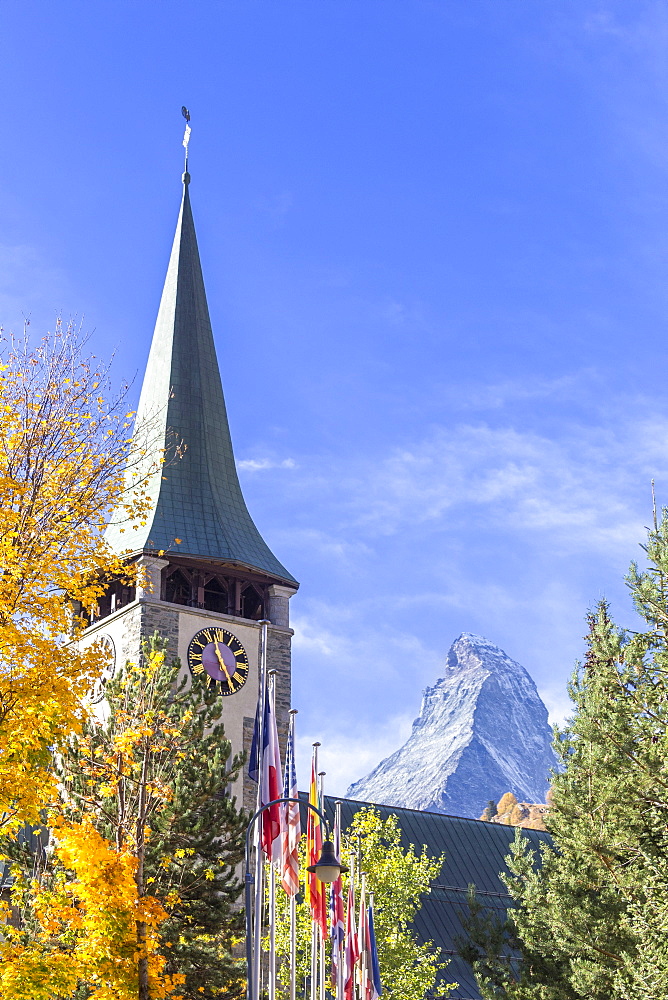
291,828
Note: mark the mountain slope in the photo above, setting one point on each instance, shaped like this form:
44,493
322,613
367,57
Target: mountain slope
482,731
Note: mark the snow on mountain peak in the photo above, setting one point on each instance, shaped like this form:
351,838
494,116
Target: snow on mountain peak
482,731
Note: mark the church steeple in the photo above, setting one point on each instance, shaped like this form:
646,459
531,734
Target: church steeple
208,582
196,497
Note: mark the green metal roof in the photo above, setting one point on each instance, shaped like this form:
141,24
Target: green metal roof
197,497
475,853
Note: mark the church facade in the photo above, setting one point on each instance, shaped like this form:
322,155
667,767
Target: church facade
207,578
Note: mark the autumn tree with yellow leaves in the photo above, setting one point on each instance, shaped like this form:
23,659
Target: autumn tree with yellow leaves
63,451
108,903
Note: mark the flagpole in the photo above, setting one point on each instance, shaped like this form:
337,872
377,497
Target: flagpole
358,970
353,875
377,986
293,948
339,943
351,935
259,867
372,977
272,931
322,967
314,959
293,900
362,937
321,793
257,927
271,874
314,927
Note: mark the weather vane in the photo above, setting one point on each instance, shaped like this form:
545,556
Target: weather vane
186,134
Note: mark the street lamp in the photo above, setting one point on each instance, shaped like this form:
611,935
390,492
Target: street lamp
327,868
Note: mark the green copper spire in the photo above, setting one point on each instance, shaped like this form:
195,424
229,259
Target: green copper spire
195,498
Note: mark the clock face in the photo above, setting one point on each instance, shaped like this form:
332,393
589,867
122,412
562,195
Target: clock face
109,649
217,652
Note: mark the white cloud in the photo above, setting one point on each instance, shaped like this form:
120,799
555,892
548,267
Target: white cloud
346,755
577,490
262,464
496,395
313,639
559,705
402,315
346,638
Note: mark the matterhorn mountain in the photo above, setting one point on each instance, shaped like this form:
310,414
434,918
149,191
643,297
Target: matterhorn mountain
482,731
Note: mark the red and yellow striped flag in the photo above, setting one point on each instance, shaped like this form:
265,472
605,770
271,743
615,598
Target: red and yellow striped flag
315,889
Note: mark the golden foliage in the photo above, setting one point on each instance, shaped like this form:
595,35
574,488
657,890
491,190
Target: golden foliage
510,812
86,921
62,454
90,902
506,803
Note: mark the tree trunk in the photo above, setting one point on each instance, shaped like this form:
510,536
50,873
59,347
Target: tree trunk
142,964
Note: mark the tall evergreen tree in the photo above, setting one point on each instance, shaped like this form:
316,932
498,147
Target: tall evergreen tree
591,920
196,846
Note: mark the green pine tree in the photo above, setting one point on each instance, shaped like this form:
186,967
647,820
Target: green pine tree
592,918
196,846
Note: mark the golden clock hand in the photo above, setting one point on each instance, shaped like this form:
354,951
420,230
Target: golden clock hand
222,662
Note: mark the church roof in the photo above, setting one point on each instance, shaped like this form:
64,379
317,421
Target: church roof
196,497
475,853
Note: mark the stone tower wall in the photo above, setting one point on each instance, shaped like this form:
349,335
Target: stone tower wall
130,626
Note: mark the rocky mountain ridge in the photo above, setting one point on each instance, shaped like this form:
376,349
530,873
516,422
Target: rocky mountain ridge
482,731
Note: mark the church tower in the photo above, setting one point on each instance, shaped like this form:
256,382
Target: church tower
209,576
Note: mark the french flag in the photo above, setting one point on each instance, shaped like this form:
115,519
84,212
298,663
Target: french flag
270,779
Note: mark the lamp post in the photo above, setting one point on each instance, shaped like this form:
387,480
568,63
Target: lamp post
327,868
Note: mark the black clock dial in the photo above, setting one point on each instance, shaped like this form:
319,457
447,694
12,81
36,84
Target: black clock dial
218,653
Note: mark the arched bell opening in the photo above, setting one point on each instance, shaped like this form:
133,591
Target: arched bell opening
214,596
117,595
178,588
252,605
222,594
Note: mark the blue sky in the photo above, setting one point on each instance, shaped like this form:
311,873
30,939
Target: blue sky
435,241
